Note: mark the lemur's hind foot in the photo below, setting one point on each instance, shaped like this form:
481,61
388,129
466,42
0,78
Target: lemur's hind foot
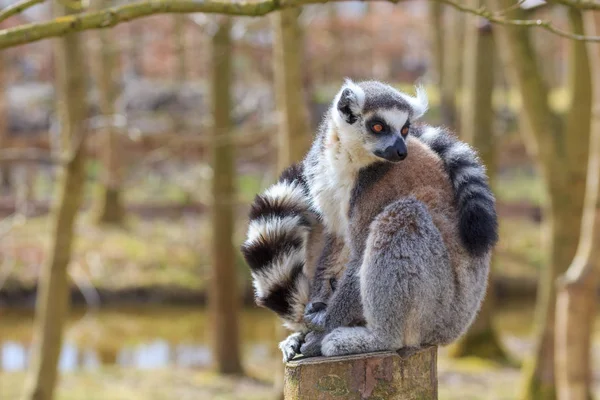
357,340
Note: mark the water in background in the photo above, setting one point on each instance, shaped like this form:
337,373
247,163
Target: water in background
140,338
154,337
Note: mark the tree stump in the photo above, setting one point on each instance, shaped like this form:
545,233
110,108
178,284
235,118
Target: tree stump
376,376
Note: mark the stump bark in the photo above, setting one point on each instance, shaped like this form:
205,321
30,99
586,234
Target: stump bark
375,376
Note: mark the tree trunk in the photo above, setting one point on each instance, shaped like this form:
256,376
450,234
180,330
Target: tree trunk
180,58
477,118
447,99
53,295
387,375
110,208
180,70
293,137
224,301
561,147
24,196
451,67
134,63
436,15
5,169
6,181
567,180
576,298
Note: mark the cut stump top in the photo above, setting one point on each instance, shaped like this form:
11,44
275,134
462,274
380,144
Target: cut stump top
376,376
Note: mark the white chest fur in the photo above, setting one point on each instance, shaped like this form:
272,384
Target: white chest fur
332,190
333,183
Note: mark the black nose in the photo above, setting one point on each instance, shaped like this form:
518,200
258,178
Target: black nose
394,153
401,154
312,308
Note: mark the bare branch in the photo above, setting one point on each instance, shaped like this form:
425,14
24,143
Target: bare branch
115,15
17,8
526,23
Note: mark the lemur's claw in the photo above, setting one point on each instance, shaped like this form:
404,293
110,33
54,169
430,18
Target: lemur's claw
312,344
290,347
288,353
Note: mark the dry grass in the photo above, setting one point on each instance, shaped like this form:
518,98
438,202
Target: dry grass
174,253
129,384
145,253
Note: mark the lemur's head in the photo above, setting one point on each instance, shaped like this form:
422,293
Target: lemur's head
373,119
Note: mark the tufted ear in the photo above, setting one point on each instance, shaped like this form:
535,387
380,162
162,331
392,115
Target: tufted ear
349,102
419,104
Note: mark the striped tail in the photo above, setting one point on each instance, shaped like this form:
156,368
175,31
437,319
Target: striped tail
275,247
478,224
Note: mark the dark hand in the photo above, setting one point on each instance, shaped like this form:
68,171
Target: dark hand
312,344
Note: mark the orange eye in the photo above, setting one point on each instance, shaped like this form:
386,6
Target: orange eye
377,128
404,131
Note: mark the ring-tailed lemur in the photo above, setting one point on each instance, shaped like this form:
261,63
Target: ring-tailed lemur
408,207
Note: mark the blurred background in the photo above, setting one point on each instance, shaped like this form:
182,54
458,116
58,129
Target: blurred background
129,157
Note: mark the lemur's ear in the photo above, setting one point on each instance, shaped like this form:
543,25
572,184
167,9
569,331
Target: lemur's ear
419,103
349,102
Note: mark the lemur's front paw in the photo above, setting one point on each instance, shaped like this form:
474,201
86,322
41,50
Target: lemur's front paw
314,316
290,347
312,344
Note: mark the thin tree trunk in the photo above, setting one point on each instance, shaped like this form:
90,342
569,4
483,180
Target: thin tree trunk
561,147
224,301
180,70
293,134
179,42
477,116
53,296
24,196
6,179
110,204
566,181
5,170
134,63
288,60
447,106
576,298
451,67
436,15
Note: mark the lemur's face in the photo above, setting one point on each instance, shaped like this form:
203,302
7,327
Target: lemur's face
373,119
